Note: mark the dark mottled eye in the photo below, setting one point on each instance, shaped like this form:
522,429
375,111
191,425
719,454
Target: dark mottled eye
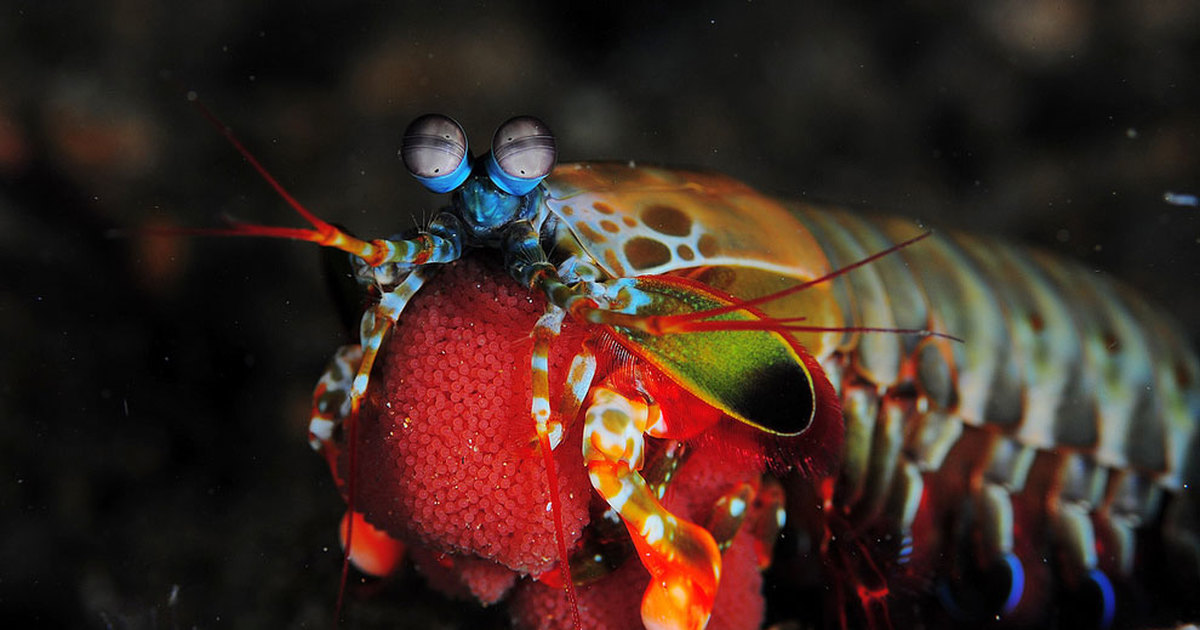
435,151
523,154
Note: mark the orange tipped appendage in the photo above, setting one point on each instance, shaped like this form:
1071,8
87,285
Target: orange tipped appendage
372,550
682,557
685,568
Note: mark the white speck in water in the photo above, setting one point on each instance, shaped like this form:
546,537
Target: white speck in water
1131,133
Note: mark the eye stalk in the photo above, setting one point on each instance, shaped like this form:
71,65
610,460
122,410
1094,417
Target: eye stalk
434,150
523,154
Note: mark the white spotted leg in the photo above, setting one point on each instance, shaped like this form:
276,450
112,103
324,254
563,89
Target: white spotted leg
544,331
682,557
338,394
331,404
549,434
336,403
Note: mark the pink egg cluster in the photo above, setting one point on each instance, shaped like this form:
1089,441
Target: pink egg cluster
446,461
446,445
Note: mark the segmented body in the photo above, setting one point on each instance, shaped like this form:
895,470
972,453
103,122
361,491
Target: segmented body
1050,453
1054,435
1033,452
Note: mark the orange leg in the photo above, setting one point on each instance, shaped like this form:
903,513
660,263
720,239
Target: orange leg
682,557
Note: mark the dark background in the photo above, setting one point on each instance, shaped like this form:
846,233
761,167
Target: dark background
154,392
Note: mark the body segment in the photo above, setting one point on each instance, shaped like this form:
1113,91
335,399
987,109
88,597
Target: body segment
1054,431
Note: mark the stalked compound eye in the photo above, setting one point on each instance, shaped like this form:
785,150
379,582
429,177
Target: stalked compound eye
523,153
435,151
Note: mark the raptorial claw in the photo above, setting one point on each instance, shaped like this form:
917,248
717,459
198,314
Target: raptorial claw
684,578
682,557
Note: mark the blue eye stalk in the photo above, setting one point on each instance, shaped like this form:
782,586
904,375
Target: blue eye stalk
435,151
523,154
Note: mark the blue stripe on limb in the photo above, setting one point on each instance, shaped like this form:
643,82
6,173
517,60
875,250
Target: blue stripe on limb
441,242
331,396
339,392
376,323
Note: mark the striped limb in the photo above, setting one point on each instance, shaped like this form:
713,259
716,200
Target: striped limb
337,400
526,263
682,557
442,242
547,328
758,507
339,393
583,367
331,404
550,433
1073,517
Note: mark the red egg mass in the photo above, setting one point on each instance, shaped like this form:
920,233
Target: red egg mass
447,461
